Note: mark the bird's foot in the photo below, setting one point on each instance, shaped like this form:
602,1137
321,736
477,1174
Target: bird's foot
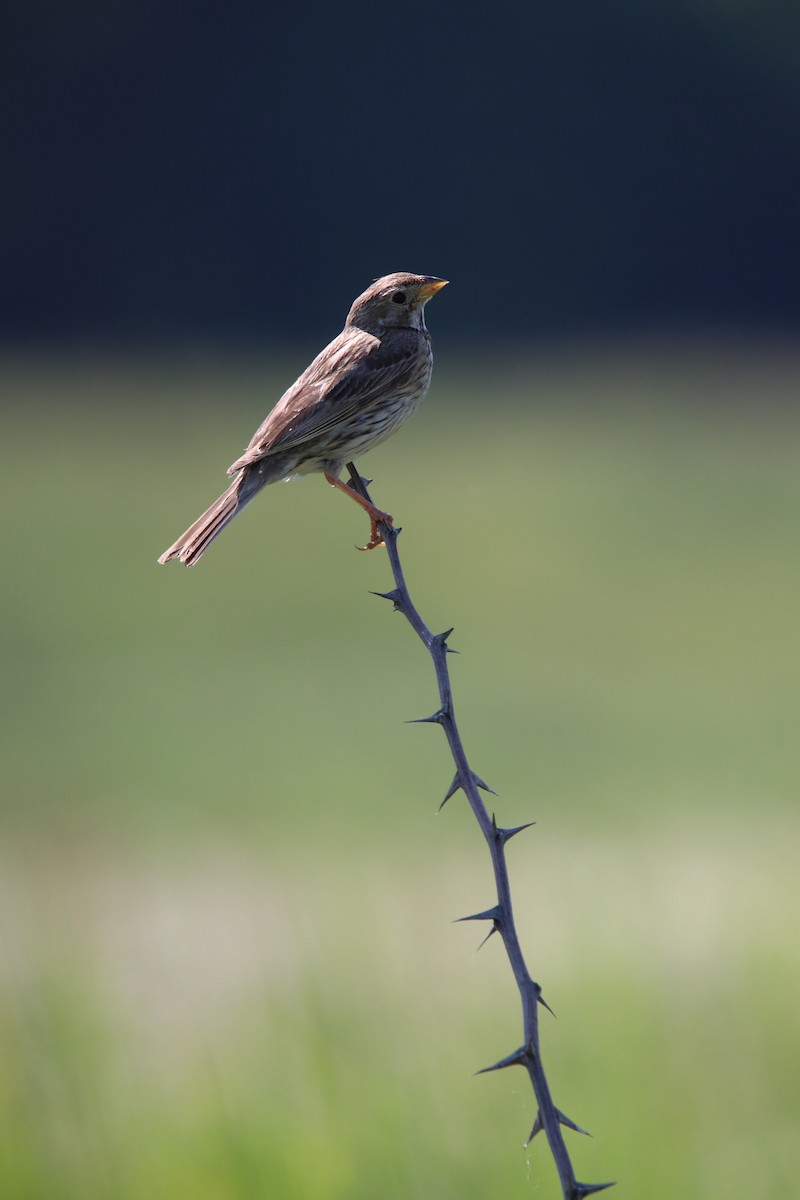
375,538
376,515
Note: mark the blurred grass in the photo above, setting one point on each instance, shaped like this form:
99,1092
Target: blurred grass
225,900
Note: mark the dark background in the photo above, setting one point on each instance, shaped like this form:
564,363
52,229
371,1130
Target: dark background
239,172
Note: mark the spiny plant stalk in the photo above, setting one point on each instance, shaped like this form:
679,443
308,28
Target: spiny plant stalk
500,916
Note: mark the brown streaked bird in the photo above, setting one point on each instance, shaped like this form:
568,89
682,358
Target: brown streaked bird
356,393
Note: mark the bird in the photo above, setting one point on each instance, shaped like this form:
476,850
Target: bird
362,387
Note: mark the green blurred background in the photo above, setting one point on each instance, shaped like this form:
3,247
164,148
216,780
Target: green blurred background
227,963
229,968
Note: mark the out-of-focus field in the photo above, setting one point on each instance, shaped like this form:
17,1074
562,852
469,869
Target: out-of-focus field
228,968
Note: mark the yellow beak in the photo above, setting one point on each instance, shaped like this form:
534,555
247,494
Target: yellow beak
431,287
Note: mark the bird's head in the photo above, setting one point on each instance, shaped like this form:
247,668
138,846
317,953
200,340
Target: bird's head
396,300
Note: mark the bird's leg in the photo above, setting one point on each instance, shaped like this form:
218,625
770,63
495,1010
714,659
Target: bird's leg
376,515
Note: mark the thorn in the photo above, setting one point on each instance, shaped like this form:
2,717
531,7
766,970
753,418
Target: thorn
517,1059
495,929
456,784
579,1190
437,718
537,1128
544,1004
395,596
451,791
441,638
506,835
490,914
563,1120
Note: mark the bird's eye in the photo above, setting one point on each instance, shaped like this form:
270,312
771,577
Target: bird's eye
399,298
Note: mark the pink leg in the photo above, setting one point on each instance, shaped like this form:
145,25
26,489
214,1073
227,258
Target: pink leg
376,515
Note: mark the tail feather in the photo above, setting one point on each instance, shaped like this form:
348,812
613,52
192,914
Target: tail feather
199,536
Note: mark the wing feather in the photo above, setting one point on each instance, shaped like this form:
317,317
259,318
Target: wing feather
347,378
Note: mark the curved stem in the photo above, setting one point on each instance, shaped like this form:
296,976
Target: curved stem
548,1119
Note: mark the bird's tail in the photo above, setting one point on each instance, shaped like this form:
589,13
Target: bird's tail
199,536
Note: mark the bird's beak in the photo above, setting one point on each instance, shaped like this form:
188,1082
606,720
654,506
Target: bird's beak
430,287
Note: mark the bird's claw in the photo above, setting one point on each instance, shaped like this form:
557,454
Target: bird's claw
375,538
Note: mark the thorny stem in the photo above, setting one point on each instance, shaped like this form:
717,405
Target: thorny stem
501,915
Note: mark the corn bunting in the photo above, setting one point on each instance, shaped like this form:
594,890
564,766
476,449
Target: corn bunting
356,393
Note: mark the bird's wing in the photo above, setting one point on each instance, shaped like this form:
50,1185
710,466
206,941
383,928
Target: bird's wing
345,379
